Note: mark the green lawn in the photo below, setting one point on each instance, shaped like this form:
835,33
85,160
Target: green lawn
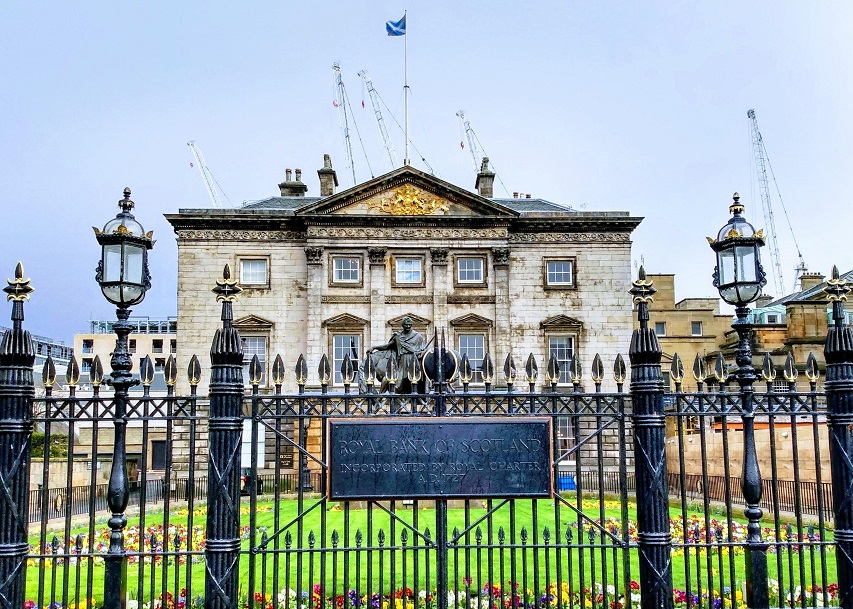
523,541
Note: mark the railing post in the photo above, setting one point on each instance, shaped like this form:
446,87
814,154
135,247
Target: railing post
118,489
654,539
16,427
222,550
838,352
757,591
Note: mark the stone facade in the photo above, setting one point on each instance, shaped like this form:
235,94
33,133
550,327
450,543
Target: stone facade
508,274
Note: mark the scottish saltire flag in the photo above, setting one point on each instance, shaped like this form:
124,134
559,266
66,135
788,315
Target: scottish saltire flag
396,28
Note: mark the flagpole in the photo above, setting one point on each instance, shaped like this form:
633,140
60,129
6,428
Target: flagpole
406,84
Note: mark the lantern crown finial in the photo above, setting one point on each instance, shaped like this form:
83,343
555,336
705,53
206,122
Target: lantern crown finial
125,203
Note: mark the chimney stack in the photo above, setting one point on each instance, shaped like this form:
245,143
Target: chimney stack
290,187
328,177
485,183
810,280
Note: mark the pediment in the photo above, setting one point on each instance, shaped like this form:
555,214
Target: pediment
345,320
561,321
252,323
407,192
472,320
418,322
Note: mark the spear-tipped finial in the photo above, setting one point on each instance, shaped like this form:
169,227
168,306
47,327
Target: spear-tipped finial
18,288
641,288
228,289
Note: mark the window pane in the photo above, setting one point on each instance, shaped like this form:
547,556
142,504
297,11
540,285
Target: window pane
696,328
726,262
409,270
254,345
346,269
563,349
746,263
343,345
559,272
470,270
253,271
474,346
660,328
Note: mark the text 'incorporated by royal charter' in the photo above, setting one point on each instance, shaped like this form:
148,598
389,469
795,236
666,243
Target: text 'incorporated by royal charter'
443,457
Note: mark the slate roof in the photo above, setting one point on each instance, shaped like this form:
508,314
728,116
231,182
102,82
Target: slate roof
532,205
519,205
282,203
808,294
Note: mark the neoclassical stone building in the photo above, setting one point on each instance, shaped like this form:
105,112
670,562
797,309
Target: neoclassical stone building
336,274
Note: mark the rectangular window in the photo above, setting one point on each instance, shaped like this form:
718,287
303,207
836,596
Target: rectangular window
343,345
157,345
158,454
253,271
474,346
559,272
254,345
88,345
660,328
696,328
87,365
772,318
173,346
780,385
565,435
563,349
159,365
346,269
469,270
132,345
246,445
409,270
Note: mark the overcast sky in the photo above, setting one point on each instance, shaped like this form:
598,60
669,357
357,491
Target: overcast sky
637,106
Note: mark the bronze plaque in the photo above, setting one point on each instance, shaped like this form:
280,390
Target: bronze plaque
439,458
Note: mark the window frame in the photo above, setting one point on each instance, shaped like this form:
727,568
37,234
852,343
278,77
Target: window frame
157,345
565,372
477,378
88,346
662,324
254,285
336,363
345,283
247,361
572,260
482,283
693,331
777,318
395,281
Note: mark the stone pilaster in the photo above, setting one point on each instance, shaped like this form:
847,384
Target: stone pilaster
438,259
378,330
503,343
315,346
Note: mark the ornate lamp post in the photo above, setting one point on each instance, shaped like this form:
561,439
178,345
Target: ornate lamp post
739,278
123,276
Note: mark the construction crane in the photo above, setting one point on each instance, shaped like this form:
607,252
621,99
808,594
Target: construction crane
762,162
374,100
209,181
341,104
472,140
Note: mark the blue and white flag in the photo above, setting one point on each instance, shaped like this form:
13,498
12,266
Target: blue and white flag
396,28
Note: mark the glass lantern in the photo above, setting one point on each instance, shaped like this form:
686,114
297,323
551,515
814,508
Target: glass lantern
738,275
